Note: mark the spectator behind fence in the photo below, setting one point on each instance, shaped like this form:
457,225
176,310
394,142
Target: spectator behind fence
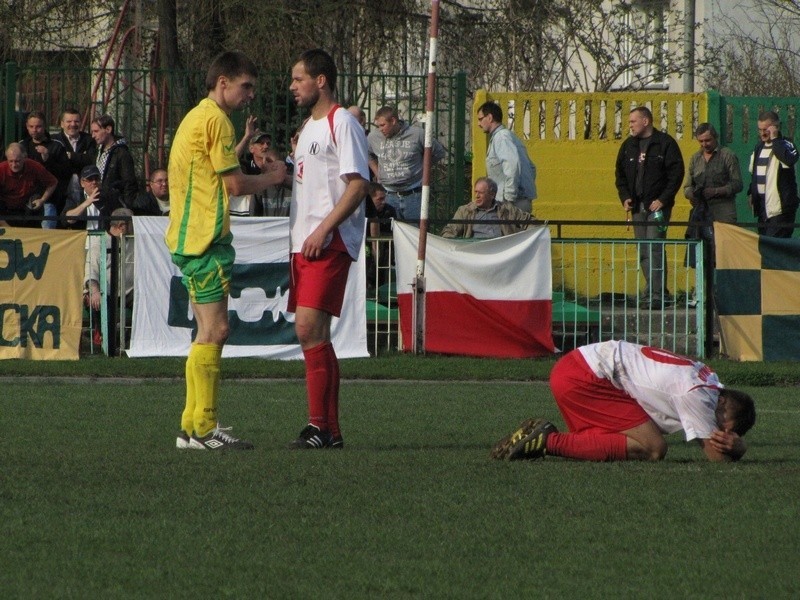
154,202
773,185
507,160
711,185
482,212
114,161
39,146
79,148
25,186
380,215
120,225
359,114
396,149
275,200
620,399
255,162
95,202
649,172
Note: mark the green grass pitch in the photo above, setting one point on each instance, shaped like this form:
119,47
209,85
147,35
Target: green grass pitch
95,501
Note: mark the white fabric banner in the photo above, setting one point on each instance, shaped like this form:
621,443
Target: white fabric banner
260,326
482,298
511,267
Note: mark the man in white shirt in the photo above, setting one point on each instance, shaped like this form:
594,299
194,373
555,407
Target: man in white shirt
326,223
619,400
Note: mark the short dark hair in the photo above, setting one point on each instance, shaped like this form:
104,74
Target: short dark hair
492,108
645,112
374,186
70,110
229,64
386,112
769,115
743,409
36,114
104,121
318,62
706,127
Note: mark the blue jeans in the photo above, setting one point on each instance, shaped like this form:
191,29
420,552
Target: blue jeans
50,210
408,207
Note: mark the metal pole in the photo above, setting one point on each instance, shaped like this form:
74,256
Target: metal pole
418,313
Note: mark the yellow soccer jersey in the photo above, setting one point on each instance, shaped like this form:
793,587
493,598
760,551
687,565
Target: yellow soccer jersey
203,149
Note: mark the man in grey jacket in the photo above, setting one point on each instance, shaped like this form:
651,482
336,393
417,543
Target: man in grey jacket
395,159
507,160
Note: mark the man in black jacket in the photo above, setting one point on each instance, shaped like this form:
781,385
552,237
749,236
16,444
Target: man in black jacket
80,150
39,146
773,185
114,161
649,172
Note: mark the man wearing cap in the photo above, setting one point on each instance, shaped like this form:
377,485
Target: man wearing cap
252,163
96,205
269,202
395,159
25,185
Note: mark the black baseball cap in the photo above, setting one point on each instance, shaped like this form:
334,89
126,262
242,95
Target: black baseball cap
90,171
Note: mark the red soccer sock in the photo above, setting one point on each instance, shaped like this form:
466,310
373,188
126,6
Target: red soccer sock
317,377
332,393
588,446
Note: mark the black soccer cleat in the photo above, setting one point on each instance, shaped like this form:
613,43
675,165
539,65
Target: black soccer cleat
533,445
501,449
311,438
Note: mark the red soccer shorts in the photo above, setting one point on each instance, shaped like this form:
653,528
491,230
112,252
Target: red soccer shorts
319,283
588,402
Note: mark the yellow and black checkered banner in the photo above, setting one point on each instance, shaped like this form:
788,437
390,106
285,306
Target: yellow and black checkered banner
756,284
41,293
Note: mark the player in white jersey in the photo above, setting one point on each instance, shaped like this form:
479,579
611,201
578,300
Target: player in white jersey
619,399
331,178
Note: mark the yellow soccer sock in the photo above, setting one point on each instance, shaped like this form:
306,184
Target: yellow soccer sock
205,368
187,418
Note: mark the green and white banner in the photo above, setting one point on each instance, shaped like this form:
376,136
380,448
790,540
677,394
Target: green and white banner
163,322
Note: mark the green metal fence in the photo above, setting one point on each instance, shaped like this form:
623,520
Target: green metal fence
147,106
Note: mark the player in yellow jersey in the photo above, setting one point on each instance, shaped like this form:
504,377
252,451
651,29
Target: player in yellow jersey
203,171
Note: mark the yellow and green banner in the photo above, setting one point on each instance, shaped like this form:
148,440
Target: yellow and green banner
41,297
756,284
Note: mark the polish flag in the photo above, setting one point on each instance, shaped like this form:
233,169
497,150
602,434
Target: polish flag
484,298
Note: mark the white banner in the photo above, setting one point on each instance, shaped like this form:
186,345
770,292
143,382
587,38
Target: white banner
260,326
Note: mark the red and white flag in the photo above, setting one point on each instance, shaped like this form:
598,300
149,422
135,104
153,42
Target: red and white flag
484,298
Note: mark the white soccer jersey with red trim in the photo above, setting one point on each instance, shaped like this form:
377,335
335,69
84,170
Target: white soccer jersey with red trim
327,150
677,392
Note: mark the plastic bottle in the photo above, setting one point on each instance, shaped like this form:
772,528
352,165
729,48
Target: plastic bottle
658,217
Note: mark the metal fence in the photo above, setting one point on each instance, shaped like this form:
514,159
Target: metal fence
596,295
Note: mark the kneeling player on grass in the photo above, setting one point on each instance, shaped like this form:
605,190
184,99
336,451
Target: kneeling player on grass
619,400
